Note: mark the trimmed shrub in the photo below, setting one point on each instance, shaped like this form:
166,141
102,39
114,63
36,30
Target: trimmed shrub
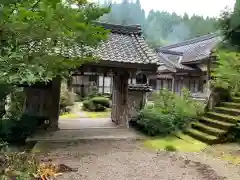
101,100
153,122
96,104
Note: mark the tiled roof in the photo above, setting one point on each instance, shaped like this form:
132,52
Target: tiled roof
181,47
171,63
193,49
125,44
176,55
201,50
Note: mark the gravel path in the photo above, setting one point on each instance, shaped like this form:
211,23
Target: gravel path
129,160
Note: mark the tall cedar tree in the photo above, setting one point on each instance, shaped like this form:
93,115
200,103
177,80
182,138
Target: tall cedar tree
227,71
40,39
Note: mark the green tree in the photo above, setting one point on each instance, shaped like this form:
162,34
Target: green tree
41,39
230,26
227,71
159,27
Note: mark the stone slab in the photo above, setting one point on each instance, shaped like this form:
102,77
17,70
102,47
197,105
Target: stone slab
86,134
83,123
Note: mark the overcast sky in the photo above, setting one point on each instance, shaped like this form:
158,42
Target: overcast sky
199,7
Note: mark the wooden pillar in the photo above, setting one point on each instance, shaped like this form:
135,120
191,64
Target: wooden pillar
104,75
119,98
82,85
114,97
209,69
123,118
69,84
130,78
173,83
55,100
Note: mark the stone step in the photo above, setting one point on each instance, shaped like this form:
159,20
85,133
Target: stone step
86,134
223,117
207,129
228,111
187,138
215,123
236,99
231,105
206,138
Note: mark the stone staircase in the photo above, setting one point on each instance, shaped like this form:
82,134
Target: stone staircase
213,127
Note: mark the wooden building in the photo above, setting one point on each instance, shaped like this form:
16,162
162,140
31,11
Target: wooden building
185,65
124,53
181,65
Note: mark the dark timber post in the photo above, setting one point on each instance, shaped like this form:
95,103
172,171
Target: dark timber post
69,84
104,75
55,106
173,83
82,85
209,69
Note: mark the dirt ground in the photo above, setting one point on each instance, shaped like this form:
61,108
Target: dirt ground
130,160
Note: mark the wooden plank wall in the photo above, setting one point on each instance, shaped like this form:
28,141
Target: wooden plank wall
84,84
194,84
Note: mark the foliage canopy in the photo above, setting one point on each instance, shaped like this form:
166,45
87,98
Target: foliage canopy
41,39
230,26
227,71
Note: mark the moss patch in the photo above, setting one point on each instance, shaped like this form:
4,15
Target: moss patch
178,144
70,116
104,114
85,114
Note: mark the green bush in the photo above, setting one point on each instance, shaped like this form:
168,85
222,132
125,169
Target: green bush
170,113
153,122
96,104
16,129
222,89
101,100
227,71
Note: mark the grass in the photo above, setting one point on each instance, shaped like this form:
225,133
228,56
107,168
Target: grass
228,152
87,114
178,144
104,114
70,115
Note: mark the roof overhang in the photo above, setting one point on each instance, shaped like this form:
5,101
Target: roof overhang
117,66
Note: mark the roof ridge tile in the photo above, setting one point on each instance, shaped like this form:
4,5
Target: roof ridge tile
122,29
